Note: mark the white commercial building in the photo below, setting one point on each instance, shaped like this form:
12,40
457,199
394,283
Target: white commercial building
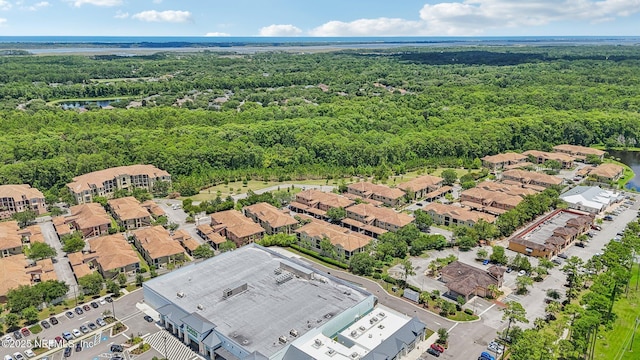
253,303
592,199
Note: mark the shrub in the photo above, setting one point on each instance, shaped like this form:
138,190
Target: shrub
468,311
377,275
389,279
320,257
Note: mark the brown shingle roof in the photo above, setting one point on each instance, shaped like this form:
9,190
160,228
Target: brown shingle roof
458,213
97,178
9,235
155,209
128,208
339,236
560,157
421,183
82,270
466,278
575,149
385,215
17,192
329,200
506,157
113,252
87,216
13,273
157,242
236,223
607,170
271,215
380,190
530,176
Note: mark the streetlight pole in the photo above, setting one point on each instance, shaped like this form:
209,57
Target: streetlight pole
165,347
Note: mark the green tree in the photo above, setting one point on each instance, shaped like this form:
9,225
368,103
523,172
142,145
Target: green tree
72,243
336,214
139,280
203,251
449,176
362,264
514,312
423,220
121,279
498,256
553,165
482,254
574,279
443,335
24,218
11,321
227,246
522,284
161,188
51,290
91,284
113,288
40,250
30,315
407,270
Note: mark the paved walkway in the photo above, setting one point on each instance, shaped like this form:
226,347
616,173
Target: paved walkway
175,349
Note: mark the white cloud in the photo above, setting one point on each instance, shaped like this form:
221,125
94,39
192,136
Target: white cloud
121,15
215,33
5,5
157,1
174,16
2,21
473,17
280,30
105,3
38,6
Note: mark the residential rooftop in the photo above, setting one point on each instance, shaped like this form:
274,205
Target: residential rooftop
89,215
9,235
97,178
271,215
505,157
274,302
576,149
113,252
157,241
236,223
459,213
386,215
367,188
128,208
20,192
421,182
339,236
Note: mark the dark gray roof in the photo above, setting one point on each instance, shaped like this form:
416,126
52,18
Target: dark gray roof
390,347
198,323
172,313
411,295
212,340
293,353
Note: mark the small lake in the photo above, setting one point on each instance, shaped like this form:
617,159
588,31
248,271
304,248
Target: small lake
81,104
632,159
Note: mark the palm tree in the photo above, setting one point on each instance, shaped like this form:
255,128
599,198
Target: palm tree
407,266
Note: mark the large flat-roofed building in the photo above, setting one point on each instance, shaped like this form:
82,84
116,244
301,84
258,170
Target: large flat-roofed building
253,303
579,152
105,182
591,199
19,198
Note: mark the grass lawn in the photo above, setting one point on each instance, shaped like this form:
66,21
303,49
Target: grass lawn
614,344
143,263
628,174
237,187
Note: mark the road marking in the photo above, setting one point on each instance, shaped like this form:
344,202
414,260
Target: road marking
437,323
454,325
489,308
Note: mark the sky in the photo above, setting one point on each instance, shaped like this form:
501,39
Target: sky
321,18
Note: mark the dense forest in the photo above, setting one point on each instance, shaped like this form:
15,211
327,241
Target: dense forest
209,117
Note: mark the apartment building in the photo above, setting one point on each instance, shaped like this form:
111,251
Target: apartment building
90,219
531,178
19,198
386,195
501,161
492,202
272,219
105,182
129,213
366,217
113,255
10,239
316,203
421,186
452,215
607,172
236,227
540,157
579,152
211,236
156,246
346,243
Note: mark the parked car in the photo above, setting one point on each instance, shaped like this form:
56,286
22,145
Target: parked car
148,318
79,311
45,324
29,353
420,204
76,333
108,299
557,261
25,332
8,357
486,356
522,273
100,322
437,347
509,270
495,347
78,346
54,320
84,329
608,218
435,353
69,314
92,326
596,227
485,262
58,340
116,348
103,301
580,244
86,308
94,305
17,335
18,356
67,336
67,351
563,256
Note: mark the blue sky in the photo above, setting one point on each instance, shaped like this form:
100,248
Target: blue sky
319,17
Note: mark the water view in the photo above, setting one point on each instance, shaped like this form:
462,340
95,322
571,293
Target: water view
631,159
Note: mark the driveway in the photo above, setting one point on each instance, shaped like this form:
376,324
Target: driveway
61,264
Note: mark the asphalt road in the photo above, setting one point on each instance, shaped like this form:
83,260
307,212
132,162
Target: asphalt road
61,266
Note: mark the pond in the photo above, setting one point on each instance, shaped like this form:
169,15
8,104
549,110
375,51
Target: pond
81,104
631,159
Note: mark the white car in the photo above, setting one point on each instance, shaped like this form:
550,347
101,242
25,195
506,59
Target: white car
102,301
29,353
8,357
495,347
522,273
18,356
77,333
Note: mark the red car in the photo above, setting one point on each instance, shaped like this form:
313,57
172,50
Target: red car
25,332
437,348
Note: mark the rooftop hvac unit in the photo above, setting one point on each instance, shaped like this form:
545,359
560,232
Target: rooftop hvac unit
381,314
354,333
375,319
293,332
284,277
180,294
200,307
331,352
277,271
362,328
317,342
282,339
355,355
